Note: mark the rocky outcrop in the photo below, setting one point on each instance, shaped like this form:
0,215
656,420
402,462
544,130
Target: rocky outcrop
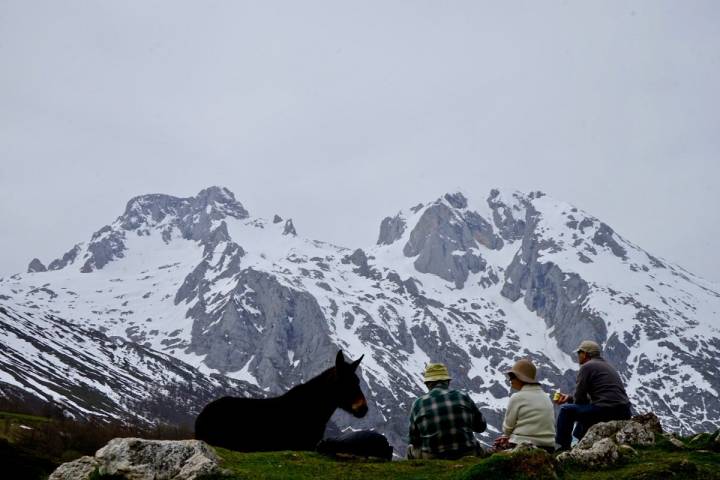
556,296
360,260
605,443
106,245
257,326
139,459
446,241
391,229
509,217
36,266
67,259
289,228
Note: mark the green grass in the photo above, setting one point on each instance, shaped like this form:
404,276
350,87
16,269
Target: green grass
656,463
22,417
313,466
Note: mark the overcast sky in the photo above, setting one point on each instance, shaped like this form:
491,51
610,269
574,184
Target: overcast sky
340,113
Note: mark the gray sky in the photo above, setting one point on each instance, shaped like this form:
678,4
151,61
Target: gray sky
339,113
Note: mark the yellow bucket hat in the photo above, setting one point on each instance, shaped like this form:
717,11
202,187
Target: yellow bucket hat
435,372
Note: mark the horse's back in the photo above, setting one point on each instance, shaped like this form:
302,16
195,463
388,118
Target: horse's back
243,424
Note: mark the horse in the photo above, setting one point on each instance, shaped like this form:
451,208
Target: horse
295,420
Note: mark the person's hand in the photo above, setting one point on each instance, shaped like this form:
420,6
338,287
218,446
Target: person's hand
562,398
501,441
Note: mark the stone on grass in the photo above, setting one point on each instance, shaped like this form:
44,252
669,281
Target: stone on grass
606,442
139,459
81,468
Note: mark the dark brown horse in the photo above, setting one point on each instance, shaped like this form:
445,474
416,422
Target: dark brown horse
293,421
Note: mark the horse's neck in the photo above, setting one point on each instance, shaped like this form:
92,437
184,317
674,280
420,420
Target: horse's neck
315,397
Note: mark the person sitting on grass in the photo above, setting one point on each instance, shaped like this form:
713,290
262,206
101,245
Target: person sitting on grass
529,417
442,421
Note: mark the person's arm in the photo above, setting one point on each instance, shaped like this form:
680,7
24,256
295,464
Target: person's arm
511,416
478,422
414,433
581,387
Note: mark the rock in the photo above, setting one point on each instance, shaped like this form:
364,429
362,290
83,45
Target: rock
446,244
66,259
600,454
289,228
139,459
391,229
79,469
605,442
626,451
650,421
36,266
674,441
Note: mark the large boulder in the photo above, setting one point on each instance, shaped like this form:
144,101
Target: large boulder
606,442
139,459
80,469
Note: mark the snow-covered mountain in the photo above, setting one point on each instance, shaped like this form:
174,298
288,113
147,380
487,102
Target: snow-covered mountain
475,283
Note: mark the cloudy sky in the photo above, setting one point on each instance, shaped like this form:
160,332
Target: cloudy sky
340,113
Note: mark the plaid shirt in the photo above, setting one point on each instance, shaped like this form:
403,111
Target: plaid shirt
443,421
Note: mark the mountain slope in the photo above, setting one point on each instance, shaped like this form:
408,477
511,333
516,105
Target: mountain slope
86,373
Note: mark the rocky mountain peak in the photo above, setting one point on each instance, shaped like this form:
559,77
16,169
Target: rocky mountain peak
215,203
221,201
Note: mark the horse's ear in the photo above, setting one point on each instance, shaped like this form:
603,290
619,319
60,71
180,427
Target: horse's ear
339,360
355,364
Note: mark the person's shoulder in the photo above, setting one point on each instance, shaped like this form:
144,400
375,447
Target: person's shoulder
419,400
460,394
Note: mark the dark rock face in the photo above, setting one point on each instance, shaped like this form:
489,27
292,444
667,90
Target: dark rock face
107,245
66,259
359,258
36,266
289,228
391,229
446,243
604,236
556,296
262,321
509,220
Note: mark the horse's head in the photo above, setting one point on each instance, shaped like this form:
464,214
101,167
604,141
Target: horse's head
349,396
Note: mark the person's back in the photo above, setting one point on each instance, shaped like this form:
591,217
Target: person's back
530,418
600,384
442,421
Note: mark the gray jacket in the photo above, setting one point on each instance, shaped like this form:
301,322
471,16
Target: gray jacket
598,383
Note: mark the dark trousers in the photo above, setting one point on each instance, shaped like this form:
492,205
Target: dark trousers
582,417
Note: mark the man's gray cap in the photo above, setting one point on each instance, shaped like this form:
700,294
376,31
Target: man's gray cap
590,347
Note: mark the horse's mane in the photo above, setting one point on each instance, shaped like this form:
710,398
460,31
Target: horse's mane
311,384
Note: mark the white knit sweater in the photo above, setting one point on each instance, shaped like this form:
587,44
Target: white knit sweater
530,417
